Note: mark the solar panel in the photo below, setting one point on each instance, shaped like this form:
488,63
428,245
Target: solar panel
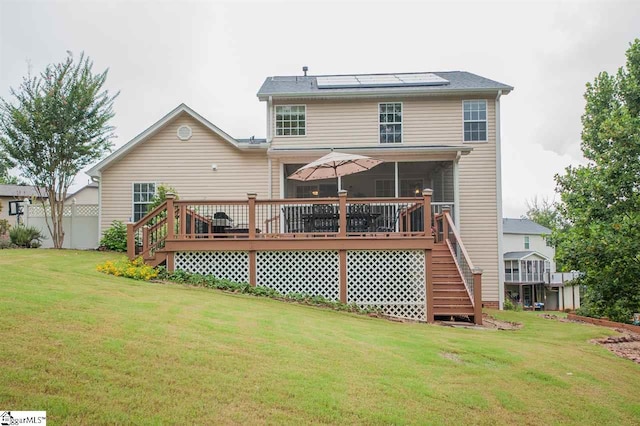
379,80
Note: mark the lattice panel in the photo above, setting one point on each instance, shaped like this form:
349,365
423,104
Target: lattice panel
393,280
231,265
315,273
86,209
37,211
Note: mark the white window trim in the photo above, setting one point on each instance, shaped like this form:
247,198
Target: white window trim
133,203
401,123
486,120
275,121
527,242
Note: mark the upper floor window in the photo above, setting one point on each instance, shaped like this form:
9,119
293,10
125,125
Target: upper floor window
390,118
475,121
526,242
143,194
291,120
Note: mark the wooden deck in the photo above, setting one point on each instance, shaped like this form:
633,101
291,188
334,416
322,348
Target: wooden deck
356,236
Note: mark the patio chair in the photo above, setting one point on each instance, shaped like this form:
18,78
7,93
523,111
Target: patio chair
359,218
323,218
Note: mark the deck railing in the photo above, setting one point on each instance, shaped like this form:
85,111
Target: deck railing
447,232
338,217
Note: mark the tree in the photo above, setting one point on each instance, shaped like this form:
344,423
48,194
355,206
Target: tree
57,125
543,212
601,200
5,177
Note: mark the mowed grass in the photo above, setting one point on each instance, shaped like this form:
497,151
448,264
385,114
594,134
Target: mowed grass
91,349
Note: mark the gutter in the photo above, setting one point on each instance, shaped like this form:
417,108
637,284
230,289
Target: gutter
358,94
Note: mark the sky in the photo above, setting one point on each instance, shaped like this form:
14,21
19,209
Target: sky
214,56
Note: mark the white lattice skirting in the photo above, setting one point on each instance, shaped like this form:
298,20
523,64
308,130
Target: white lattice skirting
231,265
316,273
392,280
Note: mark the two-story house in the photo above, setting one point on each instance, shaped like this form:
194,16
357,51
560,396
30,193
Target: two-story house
530,276
438,131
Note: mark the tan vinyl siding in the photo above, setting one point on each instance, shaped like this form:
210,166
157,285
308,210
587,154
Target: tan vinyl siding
479,207
426,121
185,165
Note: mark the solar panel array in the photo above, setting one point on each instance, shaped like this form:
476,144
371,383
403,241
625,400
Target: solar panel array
380,80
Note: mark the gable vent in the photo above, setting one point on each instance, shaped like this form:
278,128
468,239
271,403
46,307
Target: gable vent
184,133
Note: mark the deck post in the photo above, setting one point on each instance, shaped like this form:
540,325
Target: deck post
343,276
131,242
252,235
477,295
426,195
171,215
145,239
342,196
446,210
428,269
182,220
252,215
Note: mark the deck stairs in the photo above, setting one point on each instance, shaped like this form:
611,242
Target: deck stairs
450,296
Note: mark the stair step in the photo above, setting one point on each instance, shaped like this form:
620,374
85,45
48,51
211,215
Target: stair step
459,299
450,293
453,310
449,287
450,276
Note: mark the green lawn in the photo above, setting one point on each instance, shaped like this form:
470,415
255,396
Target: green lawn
91,348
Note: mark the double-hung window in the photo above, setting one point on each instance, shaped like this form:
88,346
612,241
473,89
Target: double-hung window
526,242
143,194
291,120
475,121
390,119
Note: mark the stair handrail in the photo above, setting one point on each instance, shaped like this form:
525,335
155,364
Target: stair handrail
150,224
471,275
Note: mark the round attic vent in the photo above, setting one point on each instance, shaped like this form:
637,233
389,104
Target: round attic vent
184,133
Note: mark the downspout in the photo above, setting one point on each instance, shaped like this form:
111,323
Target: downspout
98,180
269,138
456,191
499,204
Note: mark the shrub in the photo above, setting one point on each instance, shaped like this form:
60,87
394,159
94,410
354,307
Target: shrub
508,305
161,196
115,238
124,267
209,281
26,236
4,227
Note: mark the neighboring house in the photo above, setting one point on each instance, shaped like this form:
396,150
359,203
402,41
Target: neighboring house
436,130
12,199
88,194
530,276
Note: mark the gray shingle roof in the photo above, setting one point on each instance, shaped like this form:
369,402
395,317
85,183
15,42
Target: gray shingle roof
516,255
299,86
523,226
18,191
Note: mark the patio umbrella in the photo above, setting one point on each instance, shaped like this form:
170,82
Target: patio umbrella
333,165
